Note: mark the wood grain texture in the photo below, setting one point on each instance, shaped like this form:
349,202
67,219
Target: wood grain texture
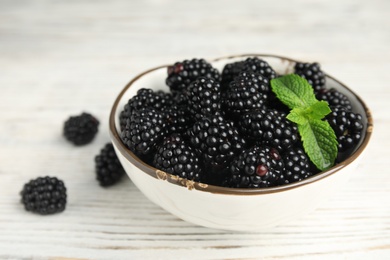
58,58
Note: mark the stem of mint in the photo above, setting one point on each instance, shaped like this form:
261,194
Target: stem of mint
318,137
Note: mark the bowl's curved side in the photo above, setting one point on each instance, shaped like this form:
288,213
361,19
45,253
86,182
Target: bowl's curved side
231,212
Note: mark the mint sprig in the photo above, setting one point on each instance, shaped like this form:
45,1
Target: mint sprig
318,137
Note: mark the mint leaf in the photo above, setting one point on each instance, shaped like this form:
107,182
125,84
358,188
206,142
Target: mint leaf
318,137
294,91
319,142
297,115
318,110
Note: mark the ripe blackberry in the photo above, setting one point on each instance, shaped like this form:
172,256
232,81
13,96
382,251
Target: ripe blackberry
312,73
145,98
44,195
203,97
176,157
334,98
257,167
178,118
229,72
348,127
144,129
216,140
181,74
259,66
107,166
80,130
269,127
249,91
296,166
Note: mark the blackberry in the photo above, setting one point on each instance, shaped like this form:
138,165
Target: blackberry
178,118
80,130
348,127
203,97
229,72
145,98
217,141
257,167
249,91
334,98
181,74
176,157
259,66
144,129
44,195
107,166
296,166
312,73
269,127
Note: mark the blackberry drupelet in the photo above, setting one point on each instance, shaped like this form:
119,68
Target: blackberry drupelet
312,73
249,91
334,98
259,66
348,127
229,72
44,195
144,129
217,141
257,167
296,166
176,157
269,127
181,74
145,98
80,130
107,166
203,97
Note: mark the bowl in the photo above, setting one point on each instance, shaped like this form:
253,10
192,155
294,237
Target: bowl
233,208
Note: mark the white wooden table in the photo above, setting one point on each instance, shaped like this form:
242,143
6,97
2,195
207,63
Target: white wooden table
58,58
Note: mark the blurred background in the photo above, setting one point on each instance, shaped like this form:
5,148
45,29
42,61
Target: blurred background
59,58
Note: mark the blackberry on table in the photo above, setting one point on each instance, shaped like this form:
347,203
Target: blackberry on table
259,66
348,127
256,167
107,166
247,92
334,98
176,157
81,129
44,195
145,98
216,140
312,73
181,74
269,127
204,97
144,129
296,166
229,72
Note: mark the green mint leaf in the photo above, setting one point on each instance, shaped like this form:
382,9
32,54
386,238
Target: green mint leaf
318,110
319,142
294,91
297,115
318,137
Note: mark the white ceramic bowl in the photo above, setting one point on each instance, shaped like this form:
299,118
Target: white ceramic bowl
230,208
